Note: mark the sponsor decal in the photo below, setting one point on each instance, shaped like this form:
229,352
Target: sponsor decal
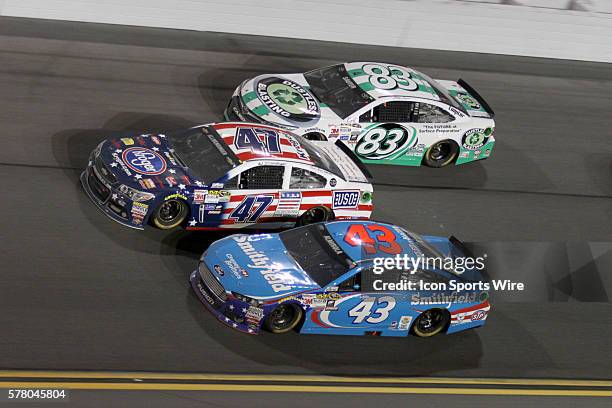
333,182
474,139
254,314
404,323
466,99
205,294
144,161
216,185
299,149
259,261
217,196
176,195
199,196
288,203
147,183
386,141
171,181
345,199
288,99
219,270
128,141
139,210
479,315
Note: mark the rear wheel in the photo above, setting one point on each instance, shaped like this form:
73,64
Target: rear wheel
284,318
170,214
441,153
315,214
431,322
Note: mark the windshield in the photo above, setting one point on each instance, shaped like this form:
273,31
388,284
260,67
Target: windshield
319,157
202,151
316,253
334,87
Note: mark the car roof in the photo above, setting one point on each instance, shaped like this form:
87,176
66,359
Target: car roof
362,79
339,229
289,147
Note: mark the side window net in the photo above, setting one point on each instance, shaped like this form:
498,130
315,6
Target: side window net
262,177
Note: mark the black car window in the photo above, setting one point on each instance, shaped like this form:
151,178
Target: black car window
393,111
262,177
352,284
428,113
302,178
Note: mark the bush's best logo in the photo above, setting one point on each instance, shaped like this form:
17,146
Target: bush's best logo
474,139
144,161
288,99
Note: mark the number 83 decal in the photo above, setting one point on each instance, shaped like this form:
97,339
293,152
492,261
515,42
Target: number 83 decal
382,141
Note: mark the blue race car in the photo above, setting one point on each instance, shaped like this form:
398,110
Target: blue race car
326,278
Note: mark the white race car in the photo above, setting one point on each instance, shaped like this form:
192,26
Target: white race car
385,113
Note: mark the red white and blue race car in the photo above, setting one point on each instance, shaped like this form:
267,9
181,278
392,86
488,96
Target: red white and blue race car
226,175
323,278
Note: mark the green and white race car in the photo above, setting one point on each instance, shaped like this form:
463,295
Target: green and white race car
385,113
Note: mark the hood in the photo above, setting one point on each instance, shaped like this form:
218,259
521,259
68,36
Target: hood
144,162
256,266
283,99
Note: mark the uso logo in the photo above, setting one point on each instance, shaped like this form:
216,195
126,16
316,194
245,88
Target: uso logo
345,199
479,315
144,161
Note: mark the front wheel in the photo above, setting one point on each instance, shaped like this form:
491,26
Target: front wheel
314,215
170,214
431,322
284,318
441,153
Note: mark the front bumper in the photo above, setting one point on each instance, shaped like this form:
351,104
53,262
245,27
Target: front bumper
108,199
229,312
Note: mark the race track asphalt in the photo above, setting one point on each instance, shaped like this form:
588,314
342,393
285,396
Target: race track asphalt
78,291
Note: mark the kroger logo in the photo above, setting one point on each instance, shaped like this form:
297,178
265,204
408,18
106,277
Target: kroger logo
144,161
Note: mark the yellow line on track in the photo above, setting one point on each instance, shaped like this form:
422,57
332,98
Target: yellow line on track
303,388
33,374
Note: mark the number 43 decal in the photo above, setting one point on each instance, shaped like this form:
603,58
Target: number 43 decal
363,310
251,208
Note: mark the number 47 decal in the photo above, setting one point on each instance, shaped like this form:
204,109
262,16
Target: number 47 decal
251,208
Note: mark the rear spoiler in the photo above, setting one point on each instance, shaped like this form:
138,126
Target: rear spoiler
466,251
355,159
476,96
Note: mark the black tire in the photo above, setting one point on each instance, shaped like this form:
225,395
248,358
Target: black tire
441,154
284,318
315,214
170,214
316,136
431,322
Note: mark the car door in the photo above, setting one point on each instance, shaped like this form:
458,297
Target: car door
248,197
389,129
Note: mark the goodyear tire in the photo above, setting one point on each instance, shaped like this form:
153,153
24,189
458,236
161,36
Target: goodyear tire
170,214
284,318
431,322
315,214
316,136
441,153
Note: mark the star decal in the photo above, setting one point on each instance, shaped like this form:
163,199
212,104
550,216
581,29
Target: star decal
250,331
231,307
235,325
115,196
118,151
155,149
113,164
198,183
172,171
162,136
244,310
137,176
227,319
181,186
192,223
